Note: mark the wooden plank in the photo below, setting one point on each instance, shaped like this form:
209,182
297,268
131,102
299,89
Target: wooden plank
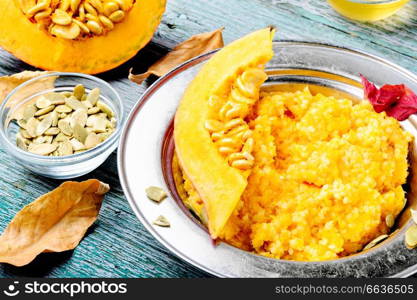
118,245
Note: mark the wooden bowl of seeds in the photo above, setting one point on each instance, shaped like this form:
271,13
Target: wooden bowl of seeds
61,125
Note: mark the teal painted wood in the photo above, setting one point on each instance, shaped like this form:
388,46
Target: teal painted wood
118,245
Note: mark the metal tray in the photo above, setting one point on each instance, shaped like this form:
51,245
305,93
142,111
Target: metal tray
146,147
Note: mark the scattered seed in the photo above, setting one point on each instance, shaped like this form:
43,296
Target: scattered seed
411,236
155,193
45,110
162,222
375,241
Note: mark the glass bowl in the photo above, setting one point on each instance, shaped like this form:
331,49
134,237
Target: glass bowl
148,143
59,167
363,10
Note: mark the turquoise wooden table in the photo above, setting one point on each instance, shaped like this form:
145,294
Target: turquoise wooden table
118,245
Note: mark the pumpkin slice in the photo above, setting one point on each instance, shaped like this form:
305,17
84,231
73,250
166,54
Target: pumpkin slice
212,138
89,36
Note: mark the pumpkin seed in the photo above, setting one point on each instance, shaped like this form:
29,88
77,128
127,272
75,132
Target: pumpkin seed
411,236
155,193
63,108
106,22
124,4
61,17
61,138
65,4
62,115
93,96
43,102
162,222
44,125
42,149
389,220
79,117
55,98
81,13
77,145
45,110
110,7
90,9
74,5
48,139
375,241
74,103
65,148
20,142
37,8
25,134
68,32
79,132
117,16
98,6
29,111
31,126
52,131
79,91
40,16
22,123
66,94
105,108
92,140
82,26
103,136
39,140
65,127
94,27
99,125
54,116
93,110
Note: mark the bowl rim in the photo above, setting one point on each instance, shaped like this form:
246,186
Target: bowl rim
368,2
85,155
190,63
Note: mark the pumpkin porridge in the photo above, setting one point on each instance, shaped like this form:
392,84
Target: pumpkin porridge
289,175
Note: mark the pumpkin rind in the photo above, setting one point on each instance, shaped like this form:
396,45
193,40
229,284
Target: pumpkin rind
93,55
218,184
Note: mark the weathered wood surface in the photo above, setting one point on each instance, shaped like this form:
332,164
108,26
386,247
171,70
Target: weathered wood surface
118,245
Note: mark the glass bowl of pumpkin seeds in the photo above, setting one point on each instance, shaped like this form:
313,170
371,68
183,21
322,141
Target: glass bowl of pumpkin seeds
61,125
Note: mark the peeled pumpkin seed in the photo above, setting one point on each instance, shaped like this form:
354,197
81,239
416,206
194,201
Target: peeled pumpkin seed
65,127
79,91
155,193
79,117
162,222
20,142
414,215
411,236
54,116
80,133
52,131
93,110
42,149
87,104
105,108
62,115
61,138
77,145
375,241
92,140
24,133
65,148
74,103
45,110
99,125
93,96
44,125
31,126
63,108
22,123
43,102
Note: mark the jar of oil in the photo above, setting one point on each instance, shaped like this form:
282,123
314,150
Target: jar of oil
371,10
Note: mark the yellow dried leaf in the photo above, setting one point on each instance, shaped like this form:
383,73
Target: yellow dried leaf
194,46
8,83
54,222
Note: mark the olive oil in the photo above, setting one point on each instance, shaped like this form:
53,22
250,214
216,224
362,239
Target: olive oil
372,10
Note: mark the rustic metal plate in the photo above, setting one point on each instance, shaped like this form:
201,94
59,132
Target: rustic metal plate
146,147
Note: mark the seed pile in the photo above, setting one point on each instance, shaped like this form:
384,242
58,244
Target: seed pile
73,19
65,123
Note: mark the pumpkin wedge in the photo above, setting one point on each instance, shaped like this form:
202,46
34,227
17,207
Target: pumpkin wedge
212,137
88,36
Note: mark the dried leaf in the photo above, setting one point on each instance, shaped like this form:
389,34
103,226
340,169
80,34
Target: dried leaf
194,46
54,222
8,83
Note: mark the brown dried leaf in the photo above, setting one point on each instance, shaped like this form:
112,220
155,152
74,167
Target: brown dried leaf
54,222
194,46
